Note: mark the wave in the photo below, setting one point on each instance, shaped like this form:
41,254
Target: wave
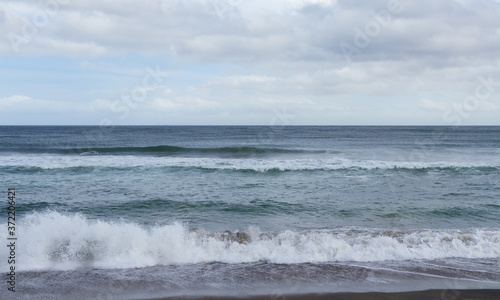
164,208
91,163
51,240
166,150
254,207
173,150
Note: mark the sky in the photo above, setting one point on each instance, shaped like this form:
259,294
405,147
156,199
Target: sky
250,62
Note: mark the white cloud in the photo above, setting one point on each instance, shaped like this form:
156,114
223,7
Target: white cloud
25,103
283,52
193,30
488,106
433,105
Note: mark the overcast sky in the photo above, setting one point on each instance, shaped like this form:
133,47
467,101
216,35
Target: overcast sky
255,62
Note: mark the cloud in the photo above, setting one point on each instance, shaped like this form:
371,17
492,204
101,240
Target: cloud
482,105
28,104
20,102
270,52
193,30
433,105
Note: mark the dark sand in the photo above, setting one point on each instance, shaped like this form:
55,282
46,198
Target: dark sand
425,295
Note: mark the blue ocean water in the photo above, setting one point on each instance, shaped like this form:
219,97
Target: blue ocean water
151,211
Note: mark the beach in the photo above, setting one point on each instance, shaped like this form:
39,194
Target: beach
417,295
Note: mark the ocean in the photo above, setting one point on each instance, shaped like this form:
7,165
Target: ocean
135,212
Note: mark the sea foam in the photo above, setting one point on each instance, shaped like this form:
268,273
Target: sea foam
54,162
51,240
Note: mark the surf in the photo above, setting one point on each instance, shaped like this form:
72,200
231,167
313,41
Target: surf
29,162
53,240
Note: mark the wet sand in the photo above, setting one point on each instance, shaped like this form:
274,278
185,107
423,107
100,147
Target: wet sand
416,295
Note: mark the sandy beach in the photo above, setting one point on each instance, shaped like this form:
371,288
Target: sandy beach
489,294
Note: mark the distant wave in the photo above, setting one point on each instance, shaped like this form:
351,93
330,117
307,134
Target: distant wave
166,150
85,164
55,241
173,150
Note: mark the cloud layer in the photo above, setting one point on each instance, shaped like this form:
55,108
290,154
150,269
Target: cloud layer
330,62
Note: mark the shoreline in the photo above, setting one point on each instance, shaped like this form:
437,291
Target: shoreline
444,294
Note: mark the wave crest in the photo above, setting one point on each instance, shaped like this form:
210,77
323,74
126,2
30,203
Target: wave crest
36,163
55,241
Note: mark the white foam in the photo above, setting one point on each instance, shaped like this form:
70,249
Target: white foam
52,240
47,161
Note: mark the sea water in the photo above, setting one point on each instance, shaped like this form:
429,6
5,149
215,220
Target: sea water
151,211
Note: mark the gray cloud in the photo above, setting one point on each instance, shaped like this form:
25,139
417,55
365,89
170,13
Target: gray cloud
292,51
193,30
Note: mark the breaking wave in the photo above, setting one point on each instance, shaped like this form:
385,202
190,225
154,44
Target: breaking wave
51,240
36,163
